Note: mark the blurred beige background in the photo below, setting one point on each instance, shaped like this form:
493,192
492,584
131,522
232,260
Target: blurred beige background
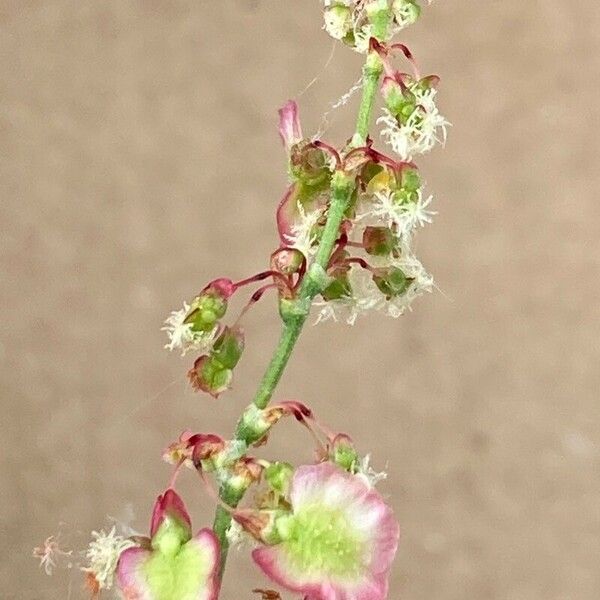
139,159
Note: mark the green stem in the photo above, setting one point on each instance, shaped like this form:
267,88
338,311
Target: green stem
295,313
371,74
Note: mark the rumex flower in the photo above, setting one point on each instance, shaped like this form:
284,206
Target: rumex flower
196,326
183,336
338,542
173,564
412,122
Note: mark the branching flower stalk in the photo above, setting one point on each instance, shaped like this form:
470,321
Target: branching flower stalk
346,225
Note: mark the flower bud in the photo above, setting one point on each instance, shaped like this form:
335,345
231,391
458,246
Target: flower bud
380,17
210,305
171,525
287,261
399,100
392,282
343,452
206,447
410,179
338,288
254,425
228,348
338,21
244,472
396,95
278,476
179,451
213,373
208,375
310,166
379,241
406,12
410,186
266,526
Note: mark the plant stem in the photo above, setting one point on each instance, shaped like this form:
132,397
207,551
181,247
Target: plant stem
371,74
296,312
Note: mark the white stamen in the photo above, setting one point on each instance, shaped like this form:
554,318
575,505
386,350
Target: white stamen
183,337
103,555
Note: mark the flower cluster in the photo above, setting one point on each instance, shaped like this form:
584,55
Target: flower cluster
320,530
355,22
346,226
373,266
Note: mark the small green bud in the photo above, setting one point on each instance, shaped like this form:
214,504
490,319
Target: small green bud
392,282
338,21
278,476
217,378
171,535
284,524
379,241
339,288
380,17
228,348
310,166
411,180
206,310
210,376
343,452
287,260
406,12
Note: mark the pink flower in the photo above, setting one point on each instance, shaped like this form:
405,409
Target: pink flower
290,129
172,564
338,542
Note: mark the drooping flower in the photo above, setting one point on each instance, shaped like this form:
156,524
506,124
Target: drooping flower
181,450
172,564
338,542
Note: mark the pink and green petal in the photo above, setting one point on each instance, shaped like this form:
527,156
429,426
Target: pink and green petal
131,578
188,574
289,125
340,541
169,506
